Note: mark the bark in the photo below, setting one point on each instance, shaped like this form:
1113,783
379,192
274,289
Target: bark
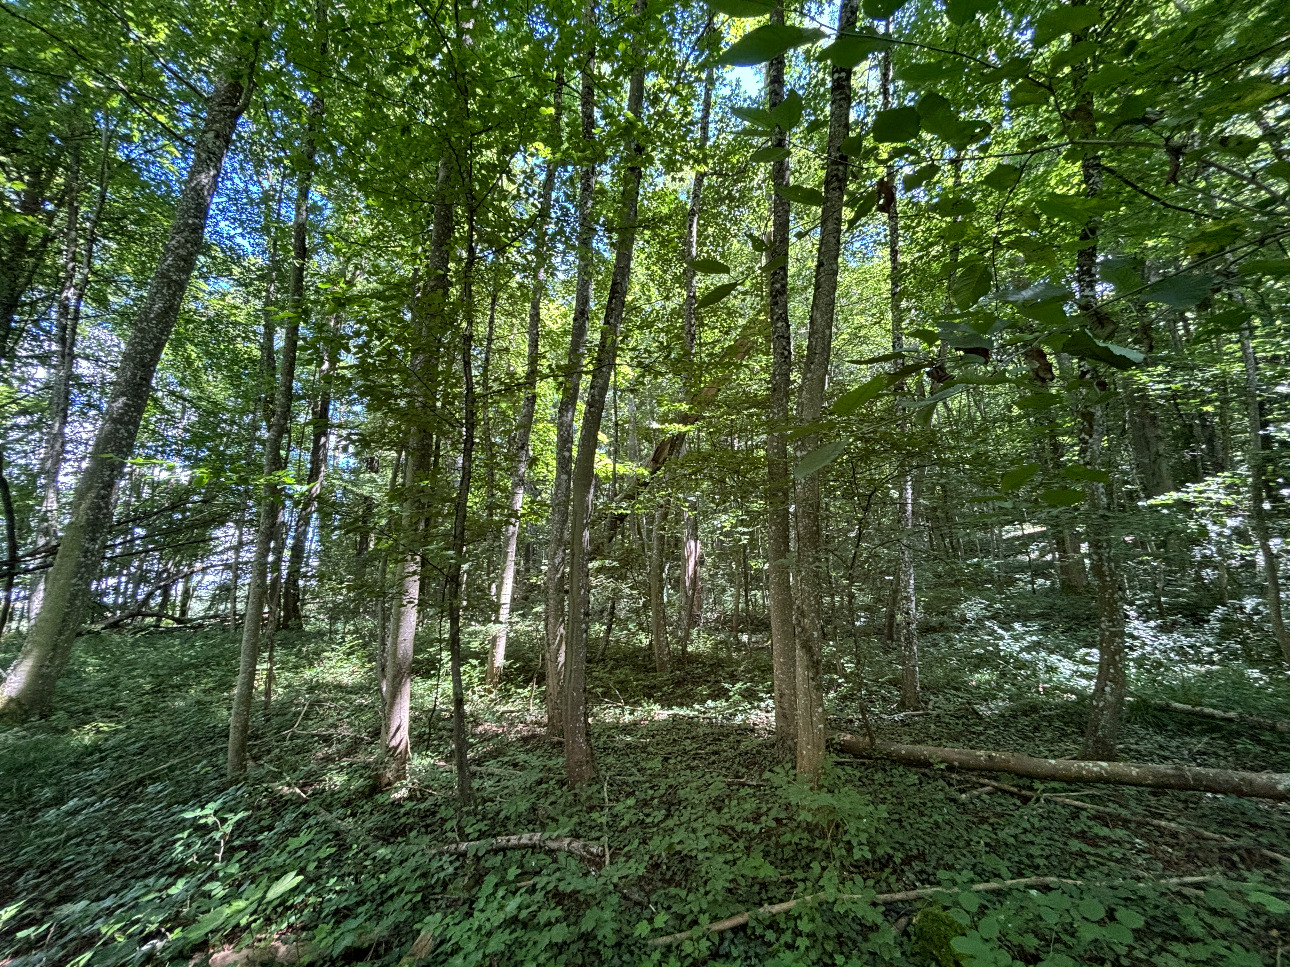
592,853
524,426
320,422
455,566
779,484
906,609
691,551
903,896
11,547
429,310
1258,516
557,547
271,505
1259,785
1223,715
29,686
579,764
657,611
66,322
808,615
1106,707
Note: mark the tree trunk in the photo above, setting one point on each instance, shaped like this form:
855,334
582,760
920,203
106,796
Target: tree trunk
691,552
292,613
1261,785
460,739
429,309
29,686
579,764
259,592
906,610
11,547
557,547
524,426
1258,517
779,484
1101,737
657,611
808,612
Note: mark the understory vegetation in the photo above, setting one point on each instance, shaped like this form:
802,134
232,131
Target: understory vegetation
124,841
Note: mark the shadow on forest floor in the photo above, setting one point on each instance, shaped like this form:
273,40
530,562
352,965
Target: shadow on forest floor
121,843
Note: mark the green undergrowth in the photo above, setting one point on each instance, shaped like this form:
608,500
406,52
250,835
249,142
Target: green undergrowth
121,843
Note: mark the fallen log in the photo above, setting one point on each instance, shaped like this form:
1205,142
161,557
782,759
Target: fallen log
1256,785
1277,725
590,852
1032,794
904,896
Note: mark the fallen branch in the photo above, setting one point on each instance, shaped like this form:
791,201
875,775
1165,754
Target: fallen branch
1258,785
923,893
1127,817
590,852
1277,725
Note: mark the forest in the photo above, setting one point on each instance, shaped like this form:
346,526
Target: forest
626,482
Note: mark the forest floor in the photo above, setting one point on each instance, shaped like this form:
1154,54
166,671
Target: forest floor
120,841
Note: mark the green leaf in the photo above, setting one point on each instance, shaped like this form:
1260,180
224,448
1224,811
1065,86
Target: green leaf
766,43
1037,401
1270,903
857,396
897,124
816,460
1074,209
1061,497
881,9
1027,92
1017,476
715,295
1275,268
1091,909
1084,343
1057,21
283,884
800,194
959,12
1130,918
1180,291
1002,177
710,266
849,51
1077,471
741,8
768,153
754,115
970,283
920,177
788,112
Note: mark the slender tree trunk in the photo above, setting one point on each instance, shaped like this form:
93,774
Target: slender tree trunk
524,426
29,686
260,592
1258,517
11,548
1101,737
460,739
429,312
292,614
557,547
779,484
657,611
906,602
579,764
808,612
691,552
